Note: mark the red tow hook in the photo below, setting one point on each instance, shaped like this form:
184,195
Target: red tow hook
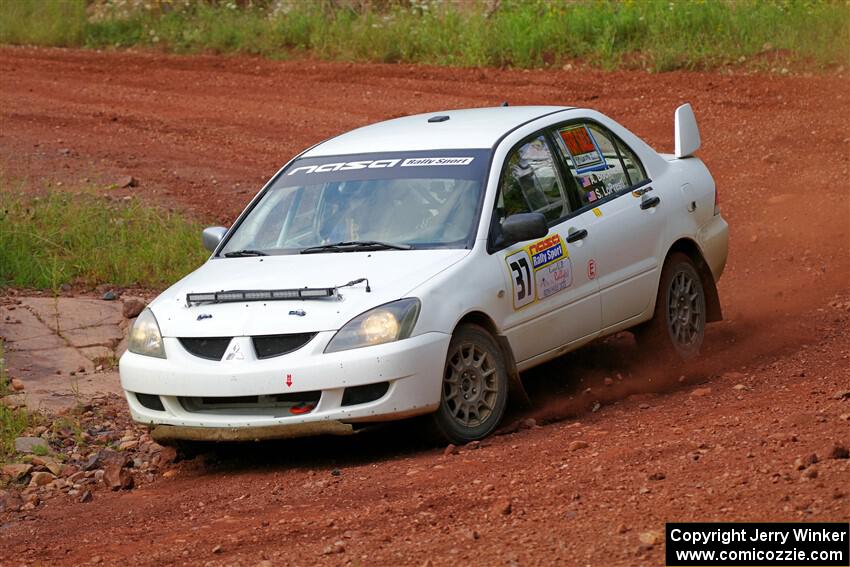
302,408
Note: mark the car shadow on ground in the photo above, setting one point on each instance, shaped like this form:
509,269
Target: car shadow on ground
580,382
573,386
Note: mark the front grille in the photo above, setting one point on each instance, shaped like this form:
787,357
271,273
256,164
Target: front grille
211,348
279,405
268,346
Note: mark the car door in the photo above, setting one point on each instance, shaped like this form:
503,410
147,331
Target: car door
624,217
551,301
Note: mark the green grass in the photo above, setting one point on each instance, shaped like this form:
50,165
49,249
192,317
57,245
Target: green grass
43,22
76,238
652,34
13,422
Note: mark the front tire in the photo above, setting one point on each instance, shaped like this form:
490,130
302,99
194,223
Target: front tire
678,326
474,388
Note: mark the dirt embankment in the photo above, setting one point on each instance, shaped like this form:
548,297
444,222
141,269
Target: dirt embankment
719,441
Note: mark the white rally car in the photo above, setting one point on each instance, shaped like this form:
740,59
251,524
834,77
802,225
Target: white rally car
416,266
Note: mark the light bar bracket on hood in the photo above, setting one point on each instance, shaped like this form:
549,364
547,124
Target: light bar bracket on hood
238,296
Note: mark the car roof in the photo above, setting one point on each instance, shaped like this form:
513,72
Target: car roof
468,128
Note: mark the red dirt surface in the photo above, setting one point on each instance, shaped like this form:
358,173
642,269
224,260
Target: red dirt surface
715,442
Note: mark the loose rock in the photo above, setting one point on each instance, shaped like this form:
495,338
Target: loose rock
41,478
164,456
127,181
16,470
838,451
803,462
116,475
700,392
811,472
31,445
132,307
576,445
503,506
652,537
49,463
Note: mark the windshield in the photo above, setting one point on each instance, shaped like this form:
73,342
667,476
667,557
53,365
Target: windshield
396,200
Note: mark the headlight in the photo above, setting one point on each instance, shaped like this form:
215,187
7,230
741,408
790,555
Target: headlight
145,337
385,324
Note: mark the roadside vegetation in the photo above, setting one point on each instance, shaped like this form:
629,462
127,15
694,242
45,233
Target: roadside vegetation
81,239
656,35
13,421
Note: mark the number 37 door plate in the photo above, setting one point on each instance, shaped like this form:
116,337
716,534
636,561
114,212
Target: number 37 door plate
539,270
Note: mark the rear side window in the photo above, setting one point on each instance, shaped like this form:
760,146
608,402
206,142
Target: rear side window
530,183
634,168
601,164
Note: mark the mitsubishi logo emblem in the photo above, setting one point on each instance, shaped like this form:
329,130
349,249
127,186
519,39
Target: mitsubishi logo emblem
235,354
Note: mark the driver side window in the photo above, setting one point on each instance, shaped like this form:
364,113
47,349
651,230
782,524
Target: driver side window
530,183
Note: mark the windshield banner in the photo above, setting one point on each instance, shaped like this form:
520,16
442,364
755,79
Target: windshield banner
438,164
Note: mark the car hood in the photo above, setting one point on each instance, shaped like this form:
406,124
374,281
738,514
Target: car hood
391,275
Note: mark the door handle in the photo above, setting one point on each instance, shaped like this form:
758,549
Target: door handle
577,235
649,203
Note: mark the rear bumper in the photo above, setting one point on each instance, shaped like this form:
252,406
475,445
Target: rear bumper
412,370
713,239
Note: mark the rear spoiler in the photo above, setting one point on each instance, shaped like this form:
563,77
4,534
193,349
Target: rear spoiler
687,132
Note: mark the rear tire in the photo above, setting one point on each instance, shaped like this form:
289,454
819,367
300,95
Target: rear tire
474,390
678,326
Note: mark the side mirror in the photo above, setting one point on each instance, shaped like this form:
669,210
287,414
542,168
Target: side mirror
523,226
212,236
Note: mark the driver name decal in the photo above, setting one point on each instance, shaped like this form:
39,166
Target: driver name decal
539,270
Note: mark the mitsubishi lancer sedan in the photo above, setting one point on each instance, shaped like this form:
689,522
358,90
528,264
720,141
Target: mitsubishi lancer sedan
418,265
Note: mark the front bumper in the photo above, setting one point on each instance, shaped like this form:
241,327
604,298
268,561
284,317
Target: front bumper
411,368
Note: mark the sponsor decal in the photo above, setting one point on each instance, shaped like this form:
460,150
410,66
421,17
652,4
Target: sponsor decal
382,164
432,161
591,269
539,270
597,212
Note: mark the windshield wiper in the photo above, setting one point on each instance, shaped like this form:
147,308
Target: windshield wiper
244,253
355,246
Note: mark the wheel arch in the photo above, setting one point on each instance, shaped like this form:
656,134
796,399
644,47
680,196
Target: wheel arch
692,250
517,391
